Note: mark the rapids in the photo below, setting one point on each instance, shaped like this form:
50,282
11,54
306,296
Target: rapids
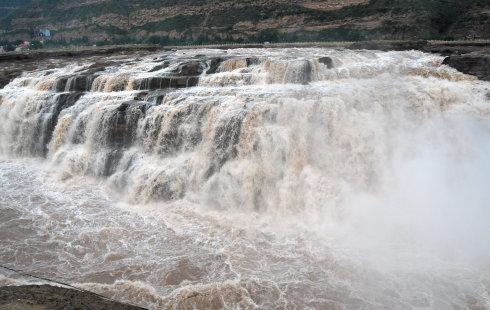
251,178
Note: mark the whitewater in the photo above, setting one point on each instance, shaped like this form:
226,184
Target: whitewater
298,178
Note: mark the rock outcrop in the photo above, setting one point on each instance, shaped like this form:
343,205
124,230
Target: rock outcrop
477,64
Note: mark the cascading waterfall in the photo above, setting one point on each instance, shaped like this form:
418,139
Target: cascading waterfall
346,160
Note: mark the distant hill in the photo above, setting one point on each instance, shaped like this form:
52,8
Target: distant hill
214,21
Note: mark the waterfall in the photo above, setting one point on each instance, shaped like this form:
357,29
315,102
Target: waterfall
327,137
237,129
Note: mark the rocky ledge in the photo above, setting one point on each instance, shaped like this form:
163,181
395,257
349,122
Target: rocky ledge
471,58
476,64
40,297
468,57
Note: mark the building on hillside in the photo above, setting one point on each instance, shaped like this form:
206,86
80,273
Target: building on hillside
45,33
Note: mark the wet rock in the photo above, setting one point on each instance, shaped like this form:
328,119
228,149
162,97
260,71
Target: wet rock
226,138
47,124
161,66
153,98
122,124
141,96
192,81
306,73
327,61
184,130
7,75
214,65
251,61
179,82
294,72
96,68
152,83
476,64
60,84
76,83
237,63
81,52
118,130
166,189
111,162
189,68
182,82
156,83
80,83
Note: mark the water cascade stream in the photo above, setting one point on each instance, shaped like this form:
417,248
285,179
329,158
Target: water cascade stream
251,178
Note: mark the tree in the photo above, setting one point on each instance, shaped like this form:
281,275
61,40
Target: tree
268,35
9,47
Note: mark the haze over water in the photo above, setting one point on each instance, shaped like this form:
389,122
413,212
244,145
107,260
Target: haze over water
251,178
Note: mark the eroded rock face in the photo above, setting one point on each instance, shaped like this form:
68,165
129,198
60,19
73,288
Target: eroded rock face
477,64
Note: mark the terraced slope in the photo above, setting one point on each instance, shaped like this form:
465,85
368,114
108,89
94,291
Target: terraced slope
8,6
172,21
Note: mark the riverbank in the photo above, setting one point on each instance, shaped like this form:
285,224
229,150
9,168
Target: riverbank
442,47
40,297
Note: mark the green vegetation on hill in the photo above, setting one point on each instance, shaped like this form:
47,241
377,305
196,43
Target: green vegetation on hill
259,21
7,6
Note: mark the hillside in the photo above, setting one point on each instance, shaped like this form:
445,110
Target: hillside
200,21
8,6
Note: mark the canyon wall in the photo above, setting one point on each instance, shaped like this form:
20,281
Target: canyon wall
198,21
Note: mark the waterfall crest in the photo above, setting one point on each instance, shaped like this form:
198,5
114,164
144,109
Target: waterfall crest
243,129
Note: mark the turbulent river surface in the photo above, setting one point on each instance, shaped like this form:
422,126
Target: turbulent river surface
250,178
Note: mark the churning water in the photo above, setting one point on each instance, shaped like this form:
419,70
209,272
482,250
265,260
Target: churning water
282,178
